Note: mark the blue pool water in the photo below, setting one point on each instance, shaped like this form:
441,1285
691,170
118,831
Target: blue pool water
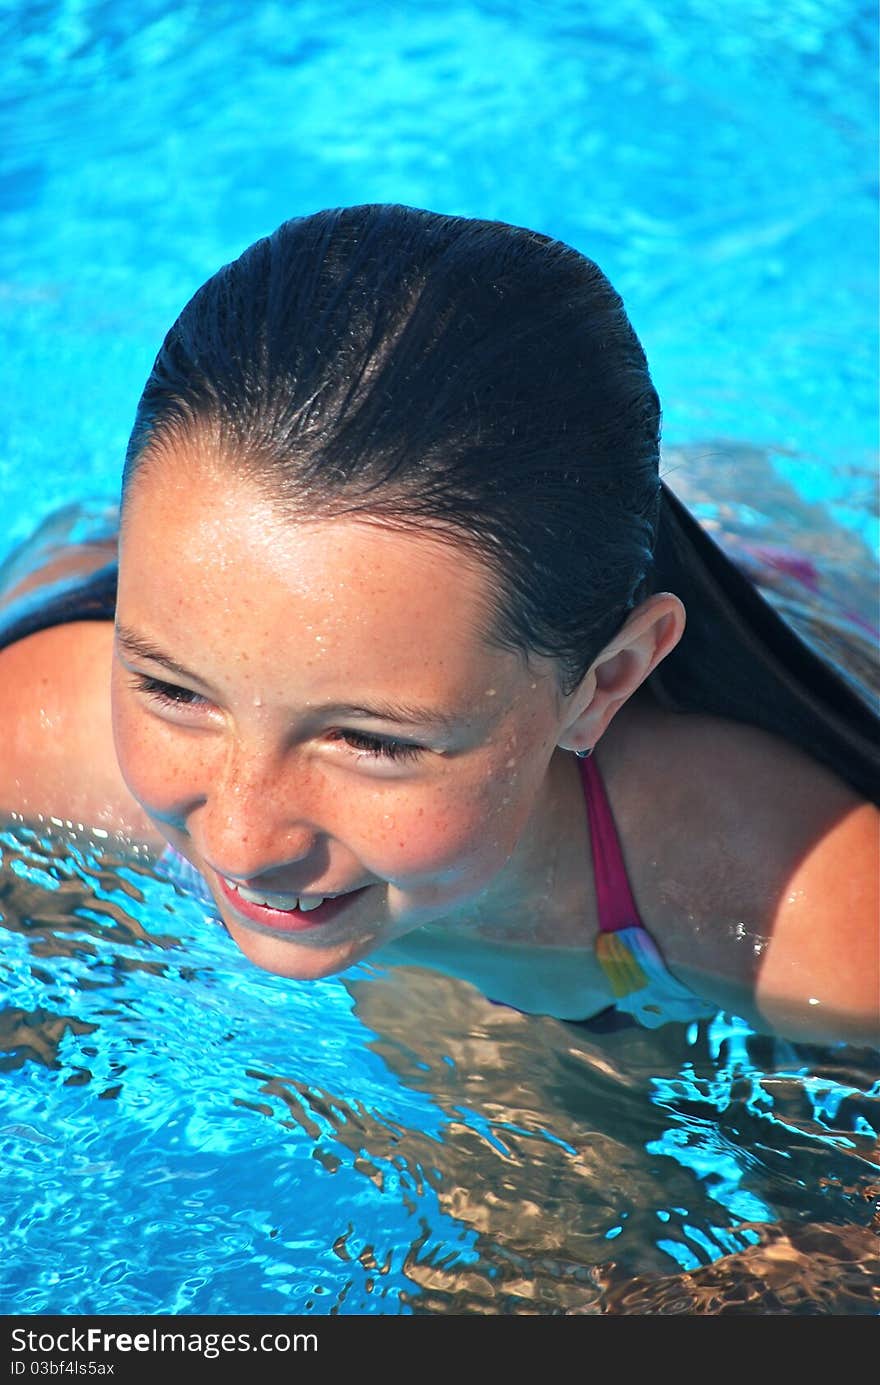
183,1134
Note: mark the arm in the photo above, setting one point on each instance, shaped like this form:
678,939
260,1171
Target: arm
58,758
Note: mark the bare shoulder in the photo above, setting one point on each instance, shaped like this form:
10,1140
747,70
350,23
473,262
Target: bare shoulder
58,755
820,976
765,873
818,900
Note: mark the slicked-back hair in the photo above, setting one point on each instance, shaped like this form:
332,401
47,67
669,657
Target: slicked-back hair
483,381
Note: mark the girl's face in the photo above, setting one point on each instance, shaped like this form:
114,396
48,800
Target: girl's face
312,715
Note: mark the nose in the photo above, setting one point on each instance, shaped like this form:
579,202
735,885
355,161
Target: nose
256,819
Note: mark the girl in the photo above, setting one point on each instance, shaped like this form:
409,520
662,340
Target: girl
413,651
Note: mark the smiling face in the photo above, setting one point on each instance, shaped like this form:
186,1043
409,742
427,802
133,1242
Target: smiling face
313,715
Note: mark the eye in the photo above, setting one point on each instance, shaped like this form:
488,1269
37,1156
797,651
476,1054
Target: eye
382,747
167,694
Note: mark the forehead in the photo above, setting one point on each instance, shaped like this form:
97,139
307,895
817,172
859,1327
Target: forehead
208,562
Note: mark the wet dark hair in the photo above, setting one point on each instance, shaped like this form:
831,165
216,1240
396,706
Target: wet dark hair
483,381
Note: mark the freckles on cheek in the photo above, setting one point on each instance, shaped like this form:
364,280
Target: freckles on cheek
447,835
129,742
430,847
146,761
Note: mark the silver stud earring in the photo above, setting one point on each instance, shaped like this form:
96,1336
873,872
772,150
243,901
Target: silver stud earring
584,754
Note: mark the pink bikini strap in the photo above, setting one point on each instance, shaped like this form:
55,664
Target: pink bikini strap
614,898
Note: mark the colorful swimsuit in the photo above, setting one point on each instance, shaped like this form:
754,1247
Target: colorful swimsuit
641,985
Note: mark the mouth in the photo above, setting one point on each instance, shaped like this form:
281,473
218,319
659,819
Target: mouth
286,914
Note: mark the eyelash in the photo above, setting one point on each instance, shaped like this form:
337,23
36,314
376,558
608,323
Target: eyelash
380,747
167,693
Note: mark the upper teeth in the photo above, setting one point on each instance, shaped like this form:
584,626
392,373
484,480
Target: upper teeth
287,902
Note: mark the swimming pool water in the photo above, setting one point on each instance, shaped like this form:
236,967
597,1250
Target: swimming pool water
718,162
183,1134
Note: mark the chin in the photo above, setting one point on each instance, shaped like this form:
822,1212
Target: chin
296,962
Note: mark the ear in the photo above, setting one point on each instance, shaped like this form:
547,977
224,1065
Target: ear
649,633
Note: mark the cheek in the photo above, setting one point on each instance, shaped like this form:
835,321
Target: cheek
149,758
464,832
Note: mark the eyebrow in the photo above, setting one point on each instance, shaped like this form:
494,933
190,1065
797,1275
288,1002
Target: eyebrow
141,648
392,711
405,714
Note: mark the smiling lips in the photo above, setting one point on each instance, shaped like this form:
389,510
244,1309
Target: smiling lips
288,913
